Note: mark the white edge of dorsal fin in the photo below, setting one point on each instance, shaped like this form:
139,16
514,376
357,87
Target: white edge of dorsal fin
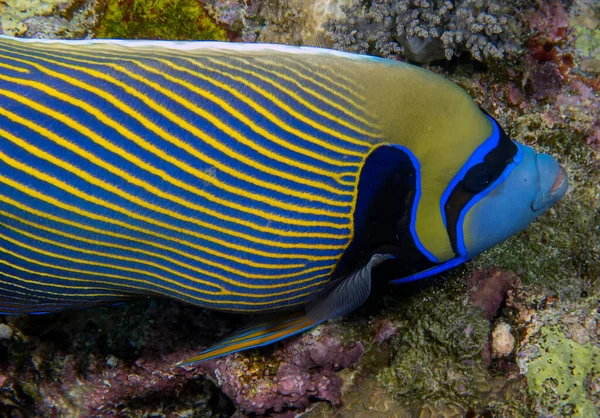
201,45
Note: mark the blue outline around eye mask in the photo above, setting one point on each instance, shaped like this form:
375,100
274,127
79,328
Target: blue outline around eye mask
413,214
475,158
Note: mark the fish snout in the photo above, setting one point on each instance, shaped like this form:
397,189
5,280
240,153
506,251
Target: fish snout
553,183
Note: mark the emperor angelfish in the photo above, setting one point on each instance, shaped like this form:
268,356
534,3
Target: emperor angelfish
244,178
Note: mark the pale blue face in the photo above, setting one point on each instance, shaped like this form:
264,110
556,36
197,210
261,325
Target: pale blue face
500,190
532,185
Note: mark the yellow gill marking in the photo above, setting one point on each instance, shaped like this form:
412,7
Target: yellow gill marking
148,187
169,115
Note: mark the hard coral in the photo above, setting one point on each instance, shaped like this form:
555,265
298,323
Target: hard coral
423,30
301,370
47,18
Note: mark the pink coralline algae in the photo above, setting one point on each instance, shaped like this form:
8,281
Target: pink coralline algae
488,289
298,372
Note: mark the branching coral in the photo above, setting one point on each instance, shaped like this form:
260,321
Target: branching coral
423,30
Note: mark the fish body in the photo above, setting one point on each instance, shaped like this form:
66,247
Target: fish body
244,178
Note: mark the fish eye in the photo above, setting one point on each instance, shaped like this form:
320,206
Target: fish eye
478,178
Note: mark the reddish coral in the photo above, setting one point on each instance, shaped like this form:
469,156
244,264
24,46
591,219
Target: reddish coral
488,288
306,370
549,26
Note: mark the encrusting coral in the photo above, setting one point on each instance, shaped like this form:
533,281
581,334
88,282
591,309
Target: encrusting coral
423,30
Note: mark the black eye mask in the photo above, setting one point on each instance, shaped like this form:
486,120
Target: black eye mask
477,179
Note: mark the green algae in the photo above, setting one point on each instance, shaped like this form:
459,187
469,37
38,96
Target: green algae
588,40
158,19
438,354
560,378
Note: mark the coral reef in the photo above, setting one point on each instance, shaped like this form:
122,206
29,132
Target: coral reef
113,361
239,16
158,19
488,289
429,348
566,375
424,30
47,18
292,376
298,22
559,351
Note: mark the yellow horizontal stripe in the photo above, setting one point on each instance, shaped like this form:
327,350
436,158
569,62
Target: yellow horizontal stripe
160,278
245,120
152,243
337,79
116,208
273,118
231,110
29,291
160,256
278,59
222,291
204,93
14,68
263,67
166,113
244,66
102,117
352,98
60,286
148,187
181,295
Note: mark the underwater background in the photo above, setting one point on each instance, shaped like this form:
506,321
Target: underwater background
513,333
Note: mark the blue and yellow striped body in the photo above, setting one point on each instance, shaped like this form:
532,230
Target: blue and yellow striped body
220,178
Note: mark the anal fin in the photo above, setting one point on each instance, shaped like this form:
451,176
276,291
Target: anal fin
259,335
342,296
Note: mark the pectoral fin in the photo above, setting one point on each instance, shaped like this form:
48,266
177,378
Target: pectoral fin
341,297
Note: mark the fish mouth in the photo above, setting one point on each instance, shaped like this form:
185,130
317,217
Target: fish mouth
558,190
560,185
